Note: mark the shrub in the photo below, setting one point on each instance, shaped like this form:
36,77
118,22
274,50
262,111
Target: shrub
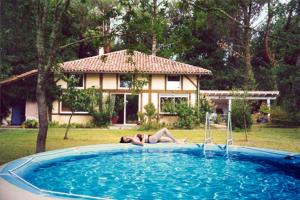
217,119
186,115
103,115
30,123
53,124
240,115
56,124
150,111
142,117
146,118
101,118
280,117
204,106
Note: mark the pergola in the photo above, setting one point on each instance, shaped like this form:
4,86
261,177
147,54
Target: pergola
250,95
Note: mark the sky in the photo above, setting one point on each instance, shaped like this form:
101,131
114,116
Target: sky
263,15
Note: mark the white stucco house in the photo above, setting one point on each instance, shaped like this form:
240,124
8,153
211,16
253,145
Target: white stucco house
167,81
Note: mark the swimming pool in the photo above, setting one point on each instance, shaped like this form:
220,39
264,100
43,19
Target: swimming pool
158,172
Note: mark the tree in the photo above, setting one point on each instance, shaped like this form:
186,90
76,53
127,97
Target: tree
46,46
75,99
144,25
241,115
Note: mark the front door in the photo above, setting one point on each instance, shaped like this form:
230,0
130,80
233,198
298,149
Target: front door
18,113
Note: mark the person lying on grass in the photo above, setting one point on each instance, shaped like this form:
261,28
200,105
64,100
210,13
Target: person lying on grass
162,135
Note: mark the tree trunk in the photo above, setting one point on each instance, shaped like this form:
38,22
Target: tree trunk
68,127
46,58
42,113
247,10
269,58
154,38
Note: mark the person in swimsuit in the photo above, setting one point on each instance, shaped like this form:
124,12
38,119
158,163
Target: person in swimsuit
162,135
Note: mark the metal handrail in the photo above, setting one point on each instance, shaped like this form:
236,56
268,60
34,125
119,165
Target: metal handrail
229,135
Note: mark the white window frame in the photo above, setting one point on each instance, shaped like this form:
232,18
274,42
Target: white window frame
125,94
120,81
83,79
167,82
69,112
171,96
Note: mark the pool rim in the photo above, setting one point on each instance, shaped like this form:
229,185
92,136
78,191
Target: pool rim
7,170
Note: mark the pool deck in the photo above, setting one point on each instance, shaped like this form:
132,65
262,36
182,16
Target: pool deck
9,191
13,188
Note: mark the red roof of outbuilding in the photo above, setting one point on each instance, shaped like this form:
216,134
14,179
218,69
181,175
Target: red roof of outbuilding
123,62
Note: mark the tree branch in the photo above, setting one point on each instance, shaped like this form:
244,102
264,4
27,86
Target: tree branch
295,42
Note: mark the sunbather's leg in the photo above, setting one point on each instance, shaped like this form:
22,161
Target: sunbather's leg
165,139
163,132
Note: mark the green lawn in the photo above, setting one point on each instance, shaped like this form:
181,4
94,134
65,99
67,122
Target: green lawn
16,143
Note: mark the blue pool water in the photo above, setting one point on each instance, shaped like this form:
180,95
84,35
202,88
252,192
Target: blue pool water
140,174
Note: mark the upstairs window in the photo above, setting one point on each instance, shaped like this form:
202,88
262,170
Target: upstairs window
79,78
125,81
173,82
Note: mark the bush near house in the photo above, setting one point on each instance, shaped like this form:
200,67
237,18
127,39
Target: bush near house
30,123
241,115
149,118
187,115
205,105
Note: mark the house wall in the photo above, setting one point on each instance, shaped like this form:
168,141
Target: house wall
31,110
150,92
79,119
92,80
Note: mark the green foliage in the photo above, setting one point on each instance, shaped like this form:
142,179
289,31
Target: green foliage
147,118
241,115
30,123
204,106
264,109
101,118
282,118
142,117
289,87
150,111
103,115
218,119
168,107
56,124
186,115
75,99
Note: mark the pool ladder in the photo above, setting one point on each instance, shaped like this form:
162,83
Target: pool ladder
207,132
208,135
229,135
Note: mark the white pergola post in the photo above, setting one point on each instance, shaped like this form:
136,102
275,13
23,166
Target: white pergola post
229,105
269,106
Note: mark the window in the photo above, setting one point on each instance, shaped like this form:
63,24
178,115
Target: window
65,109
80,78
125,81
168,102
173,82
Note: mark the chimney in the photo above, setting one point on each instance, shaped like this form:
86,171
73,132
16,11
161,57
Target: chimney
101,51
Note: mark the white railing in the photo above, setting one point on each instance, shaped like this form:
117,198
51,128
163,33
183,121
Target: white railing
208,139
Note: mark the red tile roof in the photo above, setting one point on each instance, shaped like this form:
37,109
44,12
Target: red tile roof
119,62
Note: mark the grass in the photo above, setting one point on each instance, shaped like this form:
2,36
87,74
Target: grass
16,143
